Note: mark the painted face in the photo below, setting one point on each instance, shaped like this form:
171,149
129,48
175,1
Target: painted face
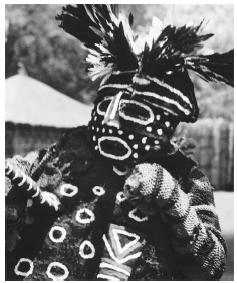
128,121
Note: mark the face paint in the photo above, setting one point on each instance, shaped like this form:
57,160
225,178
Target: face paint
124,126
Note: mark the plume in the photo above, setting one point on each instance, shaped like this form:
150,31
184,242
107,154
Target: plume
106,33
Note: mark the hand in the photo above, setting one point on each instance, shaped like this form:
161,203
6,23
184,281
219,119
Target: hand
148,183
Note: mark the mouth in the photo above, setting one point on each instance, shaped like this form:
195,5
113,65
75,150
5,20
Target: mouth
114,147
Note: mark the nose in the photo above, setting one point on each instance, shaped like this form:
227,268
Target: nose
112,114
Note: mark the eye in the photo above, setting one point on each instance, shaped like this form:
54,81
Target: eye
136,112
103,105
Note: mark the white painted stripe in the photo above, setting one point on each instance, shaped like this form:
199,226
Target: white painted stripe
161,107
109,278
126,146
137,120
116,268
140,81
111,253
117,86
119,172
124,72
102,113
132,215
163,98
110,113
170,88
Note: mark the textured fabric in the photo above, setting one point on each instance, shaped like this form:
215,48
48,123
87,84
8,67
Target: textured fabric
179,240
190,214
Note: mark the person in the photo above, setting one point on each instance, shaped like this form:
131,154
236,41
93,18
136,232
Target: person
118,199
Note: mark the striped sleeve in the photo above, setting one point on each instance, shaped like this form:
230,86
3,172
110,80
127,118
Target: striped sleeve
190,214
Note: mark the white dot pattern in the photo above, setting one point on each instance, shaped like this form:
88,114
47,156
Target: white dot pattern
159,132
135,155
149,129
147,147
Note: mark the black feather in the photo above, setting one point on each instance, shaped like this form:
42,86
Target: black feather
216,67
94,25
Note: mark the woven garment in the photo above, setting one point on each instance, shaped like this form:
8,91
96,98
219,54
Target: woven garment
99,234
191,215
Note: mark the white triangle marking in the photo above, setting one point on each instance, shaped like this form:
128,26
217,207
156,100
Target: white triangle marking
121,249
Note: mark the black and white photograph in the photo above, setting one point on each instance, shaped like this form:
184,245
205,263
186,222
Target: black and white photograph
119,142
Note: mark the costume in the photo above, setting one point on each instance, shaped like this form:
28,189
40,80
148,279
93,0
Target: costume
116,200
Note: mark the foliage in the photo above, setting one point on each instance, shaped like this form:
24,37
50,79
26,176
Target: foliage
52,56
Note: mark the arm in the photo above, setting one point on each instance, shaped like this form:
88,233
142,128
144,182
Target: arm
189,211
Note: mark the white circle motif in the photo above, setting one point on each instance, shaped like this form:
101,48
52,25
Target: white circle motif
62,236
90,246
25,273
132,215
131,137
98,191
68,190
120,197
167,123
55,277
89,219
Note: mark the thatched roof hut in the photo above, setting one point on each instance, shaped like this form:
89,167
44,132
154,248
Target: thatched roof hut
36,115
29,101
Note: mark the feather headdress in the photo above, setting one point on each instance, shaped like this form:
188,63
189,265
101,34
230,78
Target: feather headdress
111,43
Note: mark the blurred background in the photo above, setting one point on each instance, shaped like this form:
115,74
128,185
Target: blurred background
48,91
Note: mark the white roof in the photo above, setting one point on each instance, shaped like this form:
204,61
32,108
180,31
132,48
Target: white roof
29,101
